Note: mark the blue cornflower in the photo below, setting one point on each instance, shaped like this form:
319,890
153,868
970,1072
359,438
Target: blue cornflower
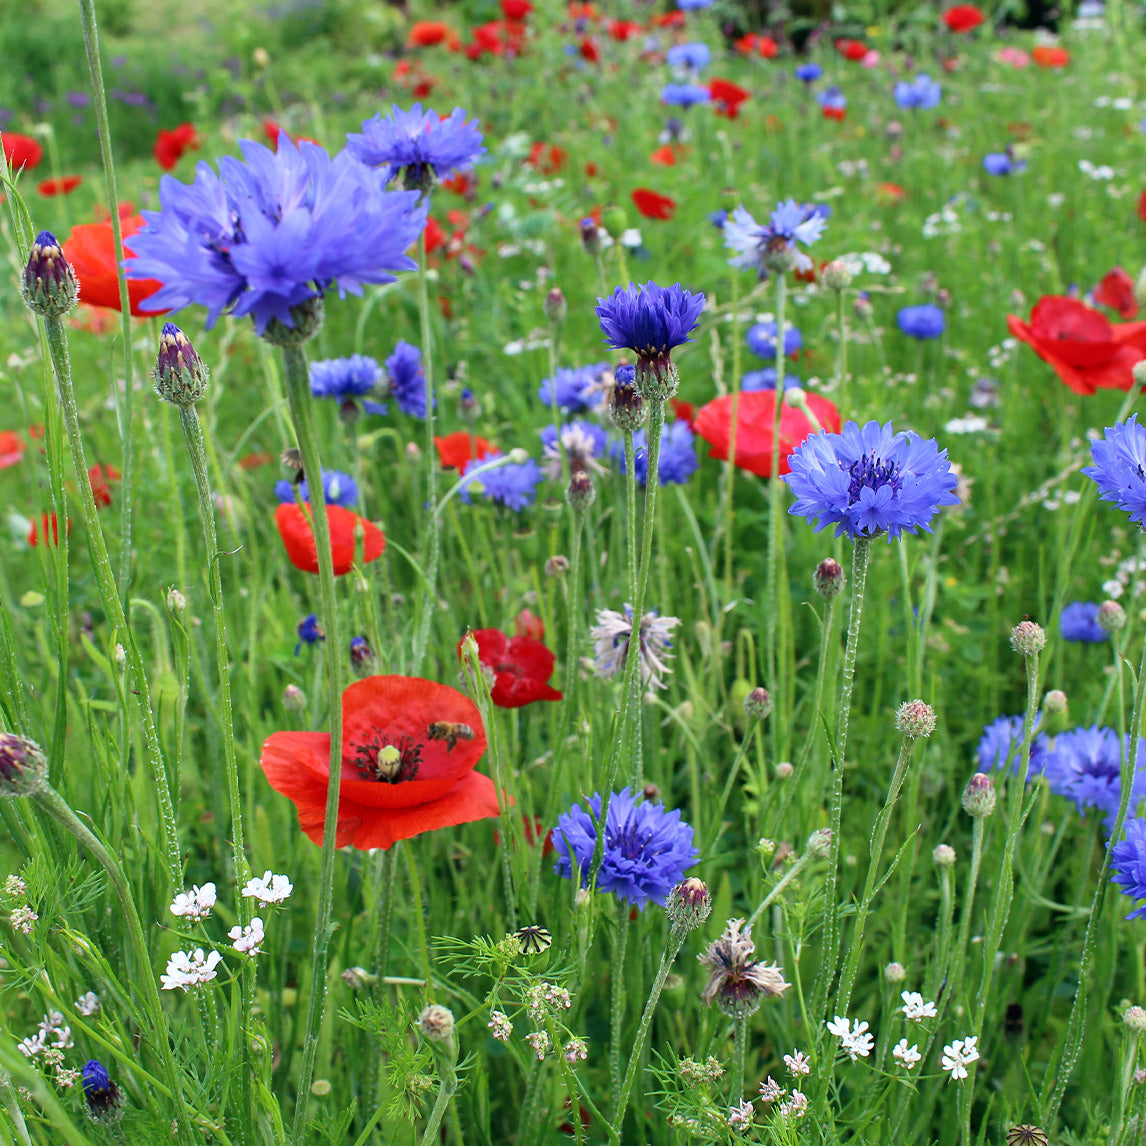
584,443
1119,468
651,321
921,93
870,480
718,218
692,57
407,379
693,5
102,1097
761,340
1003,163
685,95
832,99
647,850
766,380
772,245
271,232
677,461
344,378
1128,862
1001,742
1079,622
309,632
512,485
923,322
419,145
571,390
1085,765
809,73
338,488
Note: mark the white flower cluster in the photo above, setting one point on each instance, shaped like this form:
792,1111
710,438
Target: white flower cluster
187,969
88,1005
914,1008
52,1034
195,904
269,889
854,1039
957,1056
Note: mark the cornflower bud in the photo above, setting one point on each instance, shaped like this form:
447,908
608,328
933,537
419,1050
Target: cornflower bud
294,699
1135,1020
358,977
784,770
979,796
1111,617
50,287
758,704
689,904
943,856
104,1100
555,306
836,276
1028,638
828,578
361,656
580,494
590,236
626,406
23,766
1054,702
176,602
180,376
915,719
820,842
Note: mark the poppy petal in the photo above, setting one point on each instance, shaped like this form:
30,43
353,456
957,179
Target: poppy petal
298,537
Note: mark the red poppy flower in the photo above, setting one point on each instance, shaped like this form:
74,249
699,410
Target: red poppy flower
65,185
963,17
1086,351
521,667
589,51
579,11
90,249
653,205
675,19
1048,57
457,450
851,49
837,113
255,460
684,412
428,33
99,476
21,151
462,184
547,158
516,9
727,97
409,747
54,540
889,193
298,537
622,30
170,145
525,624
410,75
755,414
757,44
11,449
1117,292
664,156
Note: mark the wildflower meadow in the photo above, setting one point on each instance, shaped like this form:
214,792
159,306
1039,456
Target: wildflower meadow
572,572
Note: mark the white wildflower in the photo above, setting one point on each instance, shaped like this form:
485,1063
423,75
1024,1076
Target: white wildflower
958,1055
194,904
248,940
270,889
31,1047
576,1050
853,1039
539,1040
908,1055
23,918
914,1008
740,1116
88,1004
796,1105
187,969
797,1063
15,887
612,633
499,1026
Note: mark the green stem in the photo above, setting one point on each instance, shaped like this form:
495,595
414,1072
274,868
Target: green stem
617,982
430,585
631,509
842,354
730,465
447,1087
297,377
739,1047
109,595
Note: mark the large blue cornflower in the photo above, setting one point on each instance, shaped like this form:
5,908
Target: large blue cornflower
677,461
338,489
1119,468
272,231
772,245
1085,765
919,94
761,340
512,485
923,322
1128,861
407,379
1079,622
870,480
1001,743
419,145
809,73
685,95
693,57
344,378
571,390
647,850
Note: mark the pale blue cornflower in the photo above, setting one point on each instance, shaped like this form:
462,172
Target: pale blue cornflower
773,245
419,145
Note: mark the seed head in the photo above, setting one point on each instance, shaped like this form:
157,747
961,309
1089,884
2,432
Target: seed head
979,796
1028,638
828,578
23,767
1111,617
915,719
50,287
1026,1136
689,904
436,1023
736,980
180,376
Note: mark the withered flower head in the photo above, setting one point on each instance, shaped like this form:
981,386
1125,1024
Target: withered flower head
736,980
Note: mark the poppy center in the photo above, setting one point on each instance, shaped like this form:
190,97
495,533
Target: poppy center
388,759
871,473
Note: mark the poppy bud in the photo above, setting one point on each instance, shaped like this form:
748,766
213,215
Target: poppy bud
180,376
50,287
614,221
23,768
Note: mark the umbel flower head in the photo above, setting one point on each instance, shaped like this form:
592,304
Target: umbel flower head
870,480
1119,468
647,849
736,981
273,231
421,146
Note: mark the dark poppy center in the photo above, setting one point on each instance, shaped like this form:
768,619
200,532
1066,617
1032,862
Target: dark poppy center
871,473
388,759
510,668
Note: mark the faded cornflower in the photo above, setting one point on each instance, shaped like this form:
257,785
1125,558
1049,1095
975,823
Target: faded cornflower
736,980
611,636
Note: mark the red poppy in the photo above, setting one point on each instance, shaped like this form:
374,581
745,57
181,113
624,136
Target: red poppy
1086,351
727,97
653,205
457,450
272,131
675,19
34,534
589,51
428,33
684,412
65,185
170,145
1117,292
461,184
622,30
547,158
525,624
889,193
21,151
255,460
755,415
757,44
664,156
579,11
298,537
90,249
1048,57
516,9
851,49
963,17
11,449
409,74
409,747
521,666
99,476
837,113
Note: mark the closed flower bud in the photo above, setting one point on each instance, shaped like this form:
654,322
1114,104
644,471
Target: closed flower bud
1111,617
614,221
358,977
176,602
361,656
1135,1019
580,494
1138,372
102,1098
436,1023
518,456
915,719
468,405
862,306
836,276
557,566
180,376
828,578
758,704
590,236
23,767
895,972
626,406
1054,702
120,657
50,287
294,699
979,796
943,856
1028,639
555,306
820,843
689,904
321,1087
784,770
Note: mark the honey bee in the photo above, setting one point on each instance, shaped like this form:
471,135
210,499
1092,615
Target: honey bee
450,732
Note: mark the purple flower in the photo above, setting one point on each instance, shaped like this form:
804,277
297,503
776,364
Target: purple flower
511,485
407,379
761,340
833,98
584,443
870,480
923,322
1085,765
574,389
1128,860
309,632
809,73
647,850
766,380
921,93
685,95
761,246
1001,742
693,57
1003,163
344,378
648,319
272,231
1079,622
337,487
677,461
1119,468
418,144
102,1096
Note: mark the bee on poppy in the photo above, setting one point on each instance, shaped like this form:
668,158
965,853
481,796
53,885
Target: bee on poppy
533,939
449,731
